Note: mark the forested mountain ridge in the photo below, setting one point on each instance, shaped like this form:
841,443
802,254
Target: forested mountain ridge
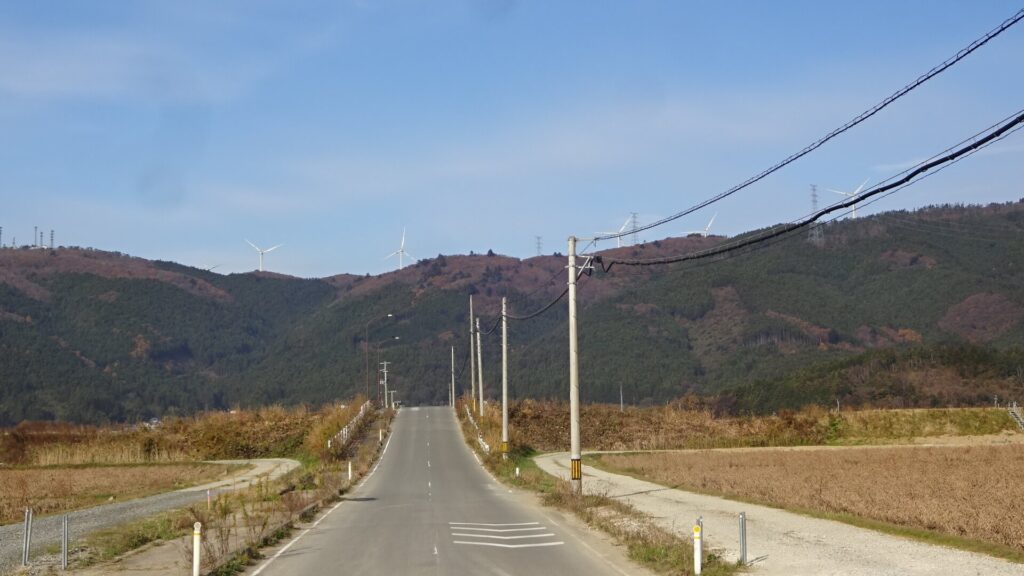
918,308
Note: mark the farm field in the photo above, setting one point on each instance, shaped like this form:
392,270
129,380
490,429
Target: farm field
970,492
52,489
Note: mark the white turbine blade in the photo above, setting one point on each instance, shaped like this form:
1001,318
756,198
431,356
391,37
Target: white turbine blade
403,240
274,248
624,224
409,256
392,254
253,245
839,192
861,187
710,222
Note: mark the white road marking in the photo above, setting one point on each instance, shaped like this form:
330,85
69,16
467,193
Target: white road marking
379,460
290,544
428,463
477,459
484,524
496,537
435,550
498,529
428,484
498,545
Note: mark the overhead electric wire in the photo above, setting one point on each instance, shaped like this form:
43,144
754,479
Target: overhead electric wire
897,183
935,71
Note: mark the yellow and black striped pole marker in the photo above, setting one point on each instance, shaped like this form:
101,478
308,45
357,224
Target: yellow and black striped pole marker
577,469
504,447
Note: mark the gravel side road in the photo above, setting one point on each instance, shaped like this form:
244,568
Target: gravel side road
783,543
46,531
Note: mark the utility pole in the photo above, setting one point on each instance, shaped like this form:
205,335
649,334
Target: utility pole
504,377
576,468
540,245
451,392
385,371
480,368
472,358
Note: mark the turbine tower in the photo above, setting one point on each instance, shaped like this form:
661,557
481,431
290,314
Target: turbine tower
853,194
401,253
618,239
816,235
707,229
262,252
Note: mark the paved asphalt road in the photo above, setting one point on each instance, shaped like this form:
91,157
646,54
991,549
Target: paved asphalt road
429,508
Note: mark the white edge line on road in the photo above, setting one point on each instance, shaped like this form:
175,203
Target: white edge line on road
317,523
497,545
296,539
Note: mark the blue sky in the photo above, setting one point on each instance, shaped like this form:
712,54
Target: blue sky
174,130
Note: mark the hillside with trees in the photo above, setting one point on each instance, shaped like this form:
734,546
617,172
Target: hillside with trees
917,308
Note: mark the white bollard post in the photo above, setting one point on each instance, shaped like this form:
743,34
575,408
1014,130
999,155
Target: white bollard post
209,500
697,543
64,544
743,538
517,471
27,541
349,470
196,530
380,436
700,522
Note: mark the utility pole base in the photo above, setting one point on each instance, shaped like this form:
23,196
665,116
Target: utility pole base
576,474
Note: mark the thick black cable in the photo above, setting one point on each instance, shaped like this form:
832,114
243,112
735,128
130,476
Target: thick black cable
935,71
608,263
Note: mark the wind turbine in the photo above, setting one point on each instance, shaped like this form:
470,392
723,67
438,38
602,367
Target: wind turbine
401,253
618,239
707,229
262,252
853,194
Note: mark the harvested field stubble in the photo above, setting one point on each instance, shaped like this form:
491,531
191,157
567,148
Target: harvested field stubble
544,426
967,491
51,490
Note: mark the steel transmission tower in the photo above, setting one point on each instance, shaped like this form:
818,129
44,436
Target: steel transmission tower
816,234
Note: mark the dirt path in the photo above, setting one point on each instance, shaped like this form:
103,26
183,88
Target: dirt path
46,530
782,543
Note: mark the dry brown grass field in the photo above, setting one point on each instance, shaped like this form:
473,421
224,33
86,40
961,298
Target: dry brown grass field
973,492
52,490
241,434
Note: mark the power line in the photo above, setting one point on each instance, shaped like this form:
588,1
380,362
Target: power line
935,71
998,133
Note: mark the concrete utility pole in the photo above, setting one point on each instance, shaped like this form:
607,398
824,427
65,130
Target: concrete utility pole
576,468
472,358
392,404
385,371
480,368
504,377
451,392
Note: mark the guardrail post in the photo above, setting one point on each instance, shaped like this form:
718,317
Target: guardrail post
743,538
196,532
349,470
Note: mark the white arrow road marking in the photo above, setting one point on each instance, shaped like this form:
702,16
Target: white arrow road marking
497,545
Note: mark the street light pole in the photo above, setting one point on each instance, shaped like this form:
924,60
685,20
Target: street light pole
472,358
451,391
366,350
480,368
504,377
385,371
